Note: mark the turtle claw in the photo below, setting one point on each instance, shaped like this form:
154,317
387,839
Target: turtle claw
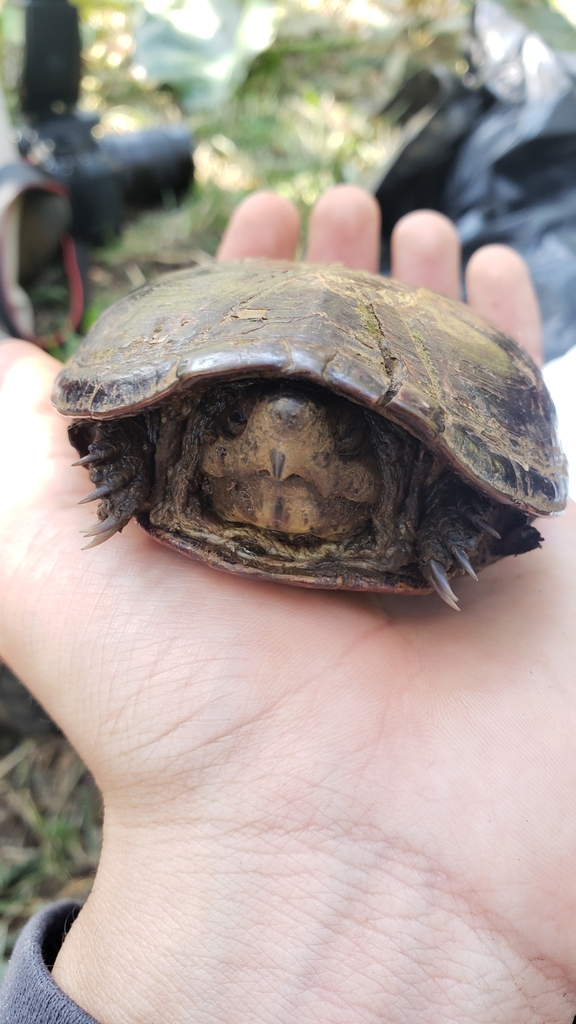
102,527
483,525
439,581
114,482
102,538
95,455
464,561
98,492
102,531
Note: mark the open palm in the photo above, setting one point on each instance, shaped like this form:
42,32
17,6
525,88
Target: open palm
358,808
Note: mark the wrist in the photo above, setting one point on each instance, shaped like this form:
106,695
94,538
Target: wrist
218,925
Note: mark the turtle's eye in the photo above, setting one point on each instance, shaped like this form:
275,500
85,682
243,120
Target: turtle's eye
349,434
232,421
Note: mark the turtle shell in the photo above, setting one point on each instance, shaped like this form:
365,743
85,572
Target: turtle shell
424,361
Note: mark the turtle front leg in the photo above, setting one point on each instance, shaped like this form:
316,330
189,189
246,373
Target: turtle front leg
457,527
462,530
120,458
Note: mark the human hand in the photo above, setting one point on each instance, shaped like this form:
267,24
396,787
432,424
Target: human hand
319,806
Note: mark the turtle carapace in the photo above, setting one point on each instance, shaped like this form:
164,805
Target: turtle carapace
313,425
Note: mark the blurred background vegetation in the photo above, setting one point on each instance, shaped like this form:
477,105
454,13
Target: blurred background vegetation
290,99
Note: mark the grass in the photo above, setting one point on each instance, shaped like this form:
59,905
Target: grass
49,829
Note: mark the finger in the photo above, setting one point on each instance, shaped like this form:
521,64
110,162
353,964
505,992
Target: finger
345,228
425,251
499,287
26,376
264,225
31,434
12,349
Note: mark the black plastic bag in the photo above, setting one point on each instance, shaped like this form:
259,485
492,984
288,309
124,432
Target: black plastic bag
509,172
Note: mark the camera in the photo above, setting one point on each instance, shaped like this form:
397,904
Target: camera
110,177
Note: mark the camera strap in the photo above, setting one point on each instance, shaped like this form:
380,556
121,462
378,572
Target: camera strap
35,215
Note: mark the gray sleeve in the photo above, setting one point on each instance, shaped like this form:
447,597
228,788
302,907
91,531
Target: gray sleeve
29,995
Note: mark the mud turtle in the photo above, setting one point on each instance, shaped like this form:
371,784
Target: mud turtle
313,425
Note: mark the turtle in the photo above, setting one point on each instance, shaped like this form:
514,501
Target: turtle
313,425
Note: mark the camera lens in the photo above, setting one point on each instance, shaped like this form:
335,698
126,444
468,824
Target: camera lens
152,165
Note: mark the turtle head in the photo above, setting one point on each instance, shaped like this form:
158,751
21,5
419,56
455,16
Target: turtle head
287,459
